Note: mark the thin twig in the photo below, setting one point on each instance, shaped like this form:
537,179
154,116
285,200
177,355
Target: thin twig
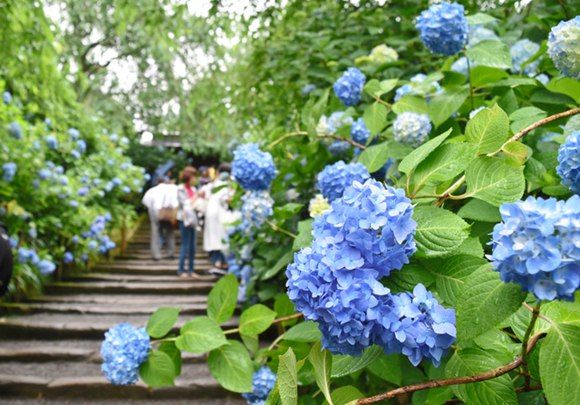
340,138
535,314
541,316
289,135
488,375
275,321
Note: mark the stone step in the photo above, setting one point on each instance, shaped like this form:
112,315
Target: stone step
110,287
145,278
153,266
64,379
68,326
123,299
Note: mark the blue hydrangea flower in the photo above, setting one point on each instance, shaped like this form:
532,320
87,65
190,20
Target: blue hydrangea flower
252,168
418,86
332,124
74,133
9,171
411,128
33,232
7,97
423,329
564,48
124,349
543,78
15,130
68,257
333,180
569,162
83,191
257,207
337,148
73,203
460,66
114,137
48,123
478,33
51,142
359,132
81,146
537,245
307,89
443,28
520,52
348,88
46,267
263,381
75,154
26,255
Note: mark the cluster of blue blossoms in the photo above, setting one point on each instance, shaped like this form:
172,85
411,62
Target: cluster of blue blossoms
252,168
443,28
520,52
98,240
124,349
359,132
15,130
411,128
537,245
333,180
418,86
478,33
263,381
569,162
348,88
563,47
365,235
256,209
9,171
26,255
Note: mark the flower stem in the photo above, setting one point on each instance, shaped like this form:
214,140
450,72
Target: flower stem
470,83
535,314
281,230
275,321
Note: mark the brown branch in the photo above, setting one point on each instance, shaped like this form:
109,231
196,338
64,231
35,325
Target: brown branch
543,121
488,375
279,320
535,313
340,138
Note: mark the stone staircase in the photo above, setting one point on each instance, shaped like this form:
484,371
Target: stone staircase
49,345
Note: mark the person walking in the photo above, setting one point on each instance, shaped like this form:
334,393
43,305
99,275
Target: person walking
218,195
161,202
187,219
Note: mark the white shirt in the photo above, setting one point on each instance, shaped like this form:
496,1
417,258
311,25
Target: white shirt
163,195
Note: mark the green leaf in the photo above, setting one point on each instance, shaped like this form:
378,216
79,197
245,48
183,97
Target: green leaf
223,298
526,116
388,367
321,361
418,155
256,319
480,19
374,157
287,380
286,211
232,366
304,237
480,211
516,152
488,129
443,105
445,163
451,273
304,332
375,117
345,395
174,354
161,322
471,247
200,335
565,85
491,53
560,364
407,279
410,103
485,302
158,370
374,88
473,361
281,264
344,365
494,180
439,231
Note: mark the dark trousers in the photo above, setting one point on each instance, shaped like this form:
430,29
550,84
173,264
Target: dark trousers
187,249
216,256
5,262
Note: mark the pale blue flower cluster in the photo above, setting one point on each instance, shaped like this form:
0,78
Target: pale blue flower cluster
7,97
478,33
537,245
74,133
359,132
418,86
337,148
569,162
46,267
124,349
348,88
9,171
460,66
51,142
26,255
411,128
252,168
564,47
15,130
335,178
257,207
443,28
263,381
307,89
520,52
68,257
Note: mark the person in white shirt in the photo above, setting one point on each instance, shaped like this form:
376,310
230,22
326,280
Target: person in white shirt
161,201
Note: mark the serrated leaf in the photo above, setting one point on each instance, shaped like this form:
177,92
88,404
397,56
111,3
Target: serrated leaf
413,274
304,332
374,157
256,319
480,19
560,364
491,53
388,367
321,361
287,380
410,103
479,210
516,152
418,155
304,237
494,180
223,298
232,366
473,361
488,129
471,247
344,365
161,322
443,105
345,395
200,335
439,231
485,302
374,88
158,370
375,117
525,116
174,354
